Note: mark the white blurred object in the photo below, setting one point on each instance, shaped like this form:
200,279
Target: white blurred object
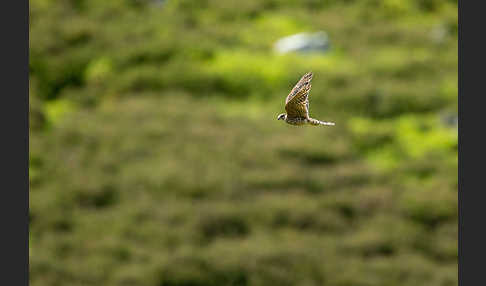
159,3
439,34
449,120
304,43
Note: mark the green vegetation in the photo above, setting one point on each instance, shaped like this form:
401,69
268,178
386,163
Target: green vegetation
156,157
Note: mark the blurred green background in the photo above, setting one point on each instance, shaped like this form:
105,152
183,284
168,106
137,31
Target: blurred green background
156,157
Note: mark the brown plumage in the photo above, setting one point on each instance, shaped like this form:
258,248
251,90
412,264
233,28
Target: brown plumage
297,104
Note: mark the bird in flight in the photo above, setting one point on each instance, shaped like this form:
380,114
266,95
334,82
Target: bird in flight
297,104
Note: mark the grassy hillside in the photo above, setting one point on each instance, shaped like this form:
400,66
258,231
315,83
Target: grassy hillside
156,157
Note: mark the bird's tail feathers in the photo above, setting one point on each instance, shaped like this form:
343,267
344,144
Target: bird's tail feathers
318,122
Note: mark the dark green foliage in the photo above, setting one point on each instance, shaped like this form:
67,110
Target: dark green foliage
156,157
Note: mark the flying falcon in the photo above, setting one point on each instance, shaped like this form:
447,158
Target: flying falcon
297,104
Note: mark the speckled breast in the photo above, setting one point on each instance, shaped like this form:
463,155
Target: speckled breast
296,121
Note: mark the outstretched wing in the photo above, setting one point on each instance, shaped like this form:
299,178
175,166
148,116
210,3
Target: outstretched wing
297,102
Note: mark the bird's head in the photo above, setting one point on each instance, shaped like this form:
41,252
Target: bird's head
282,116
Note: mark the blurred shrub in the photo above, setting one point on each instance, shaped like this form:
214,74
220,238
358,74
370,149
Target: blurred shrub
407,137
37,116
430,206
222,225
55,109
98,70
